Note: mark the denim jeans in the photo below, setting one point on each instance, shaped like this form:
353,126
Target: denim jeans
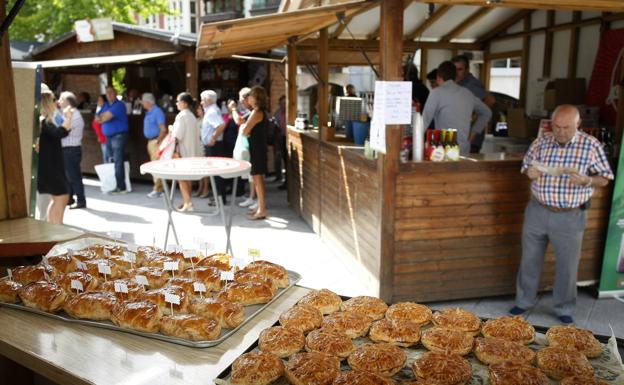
116,147
105,156
72,156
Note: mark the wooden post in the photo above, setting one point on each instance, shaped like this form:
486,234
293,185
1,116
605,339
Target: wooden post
11,162
423,65
291,85
323,87
573,52
190,65
390,48
524,71
548,44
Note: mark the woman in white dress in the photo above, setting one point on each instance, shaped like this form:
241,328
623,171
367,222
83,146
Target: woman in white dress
187,137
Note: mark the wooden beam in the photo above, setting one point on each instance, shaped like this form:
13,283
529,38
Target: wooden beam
342,26
524,66
375,34
574,45
503,55
548,44
373,45
15,205
442,9
424,63
573,5
506,24
469,22
323,86
291,85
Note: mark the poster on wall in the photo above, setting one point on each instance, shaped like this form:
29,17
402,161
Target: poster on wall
392,105
612,277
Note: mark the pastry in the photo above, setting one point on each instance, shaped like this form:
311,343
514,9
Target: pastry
256,368
185,283
442,369
147,251
400,332
160,260
281,341
355,377
207,307
42,295
93,268
190,327
246,293
410,311
89,282
233,314
351,323
559,363
440,339
9,291
516,373
107,250
496,350
582,380
312,368
242,276
382,359
208,275
94,305
84,255
459,319
573,338
272,270
27,274
371,306
142,316
156,277
515,329
158,297
134,289
325,300
122,262
302,317
332,342
62,263
221,261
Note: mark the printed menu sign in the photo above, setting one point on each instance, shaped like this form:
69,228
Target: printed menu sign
392,106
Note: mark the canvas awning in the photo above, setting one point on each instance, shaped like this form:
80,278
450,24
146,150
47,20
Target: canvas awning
114,59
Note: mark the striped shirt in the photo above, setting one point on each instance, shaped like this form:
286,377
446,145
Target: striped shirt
583,153
75,134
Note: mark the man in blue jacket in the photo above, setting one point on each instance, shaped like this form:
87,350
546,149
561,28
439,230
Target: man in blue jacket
114,121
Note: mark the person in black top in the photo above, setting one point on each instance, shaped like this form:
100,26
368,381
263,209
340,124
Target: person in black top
51,177
420,92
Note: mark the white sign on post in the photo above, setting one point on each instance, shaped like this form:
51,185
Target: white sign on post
121,287
227,275
104,269
173,299
76,285
392,106
199,287
81,266
141,280
170,265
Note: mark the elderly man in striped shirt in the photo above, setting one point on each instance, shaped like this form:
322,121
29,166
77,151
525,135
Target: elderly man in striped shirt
564,167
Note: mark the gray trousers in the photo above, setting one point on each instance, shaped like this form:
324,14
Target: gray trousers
565,232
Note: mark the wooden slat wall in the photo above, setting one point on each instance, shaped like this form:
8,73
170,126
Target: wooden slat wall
303,177
458,231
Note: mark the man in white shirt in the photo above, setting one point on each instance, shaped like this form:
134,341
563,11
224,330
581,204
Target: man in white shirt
72,151
211,133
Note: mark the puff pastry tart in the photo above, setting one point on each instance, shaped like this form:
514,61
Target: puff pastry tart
303,317
9,291
185,283
353,324
159,261
516,373
243,276
325,300
582,380
221,261
332,342
147,251
62,263
496,350
382,359
256,368
208,307
371,306
458,319
440,339
281,341
27,274
42,295
312,368
85,255
105,251
515,329
246,293
442,369
158,297
272,270
190,327
400,332
93,268
95,305
410,311
156,276
135,290
559,363
143,316
573,338
89,282
208,275
355,377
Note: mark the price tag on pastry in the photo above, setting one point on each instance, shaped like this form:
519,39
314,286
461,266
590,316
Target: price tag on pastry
129,257
172,298
174,248
238,262
9,274
227,275
171,265
141,280
81,266
132,247
104,269
107,253
208,246
199,287
189,254
121,287
76,285
70,252
253,253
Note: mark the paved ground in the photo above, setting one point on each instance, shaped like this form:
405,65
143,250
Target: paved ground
284,238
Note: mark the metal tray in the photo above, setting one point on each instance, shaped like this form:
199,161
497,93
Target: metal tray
250,312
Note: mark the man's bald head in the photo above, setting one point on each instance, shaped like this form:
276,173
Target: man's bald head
566,119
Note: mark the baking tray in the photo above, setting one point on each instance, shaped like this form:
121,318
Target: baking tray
250,312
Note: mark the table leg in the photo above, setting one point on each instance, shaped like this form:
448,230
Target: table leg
230,214
168,197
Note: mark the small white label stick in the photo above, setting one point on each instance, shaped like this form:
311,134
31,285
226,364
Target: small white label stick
76,285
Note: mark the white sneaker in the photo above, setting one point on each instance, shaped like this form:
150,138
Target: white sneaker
154,194
187,207
247,202
254,206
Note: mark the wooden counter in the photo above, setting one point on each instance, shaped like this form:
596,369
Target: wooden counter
73,354
26,237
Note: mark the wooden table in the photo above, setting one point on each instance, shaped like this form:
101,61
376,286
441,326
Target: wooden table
26,237
74,354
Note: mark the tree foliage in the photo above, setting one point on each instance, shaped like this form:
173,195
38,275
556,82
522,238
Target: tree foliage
43,20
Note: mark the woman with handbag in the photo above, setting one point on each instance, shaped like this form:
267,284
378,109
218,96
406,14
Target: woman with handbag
187,136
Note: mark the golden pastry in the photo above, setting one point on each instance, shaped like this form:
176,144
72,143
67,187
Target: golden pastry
134,289
243,276
302,317
93,268
351,323
410,311
208,275
156,277
221,261
85,255
256,368
147,251
27,274
325,300
400,332
516,373
515,329
573,338
105,251
559,363
190,327
158,297
440,339
233,314
9,291
185,283
355,377
496,350
332,342
122,262
246,293
442,369
382,359
458,319
281,341
160,260
371,306
272,270
582,380
142,316
88,281
62,263
42,295
94,305
312,368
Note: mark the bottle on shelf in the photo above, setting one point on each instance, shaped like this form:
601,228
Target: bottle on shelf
429,141
452,148
437,154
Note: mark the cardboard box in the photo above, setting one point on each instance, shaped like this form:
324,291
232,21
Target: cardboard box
521,126
564,91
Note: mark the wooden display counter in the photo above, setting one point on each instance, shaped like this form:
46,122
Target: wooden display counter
26,237
457,227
